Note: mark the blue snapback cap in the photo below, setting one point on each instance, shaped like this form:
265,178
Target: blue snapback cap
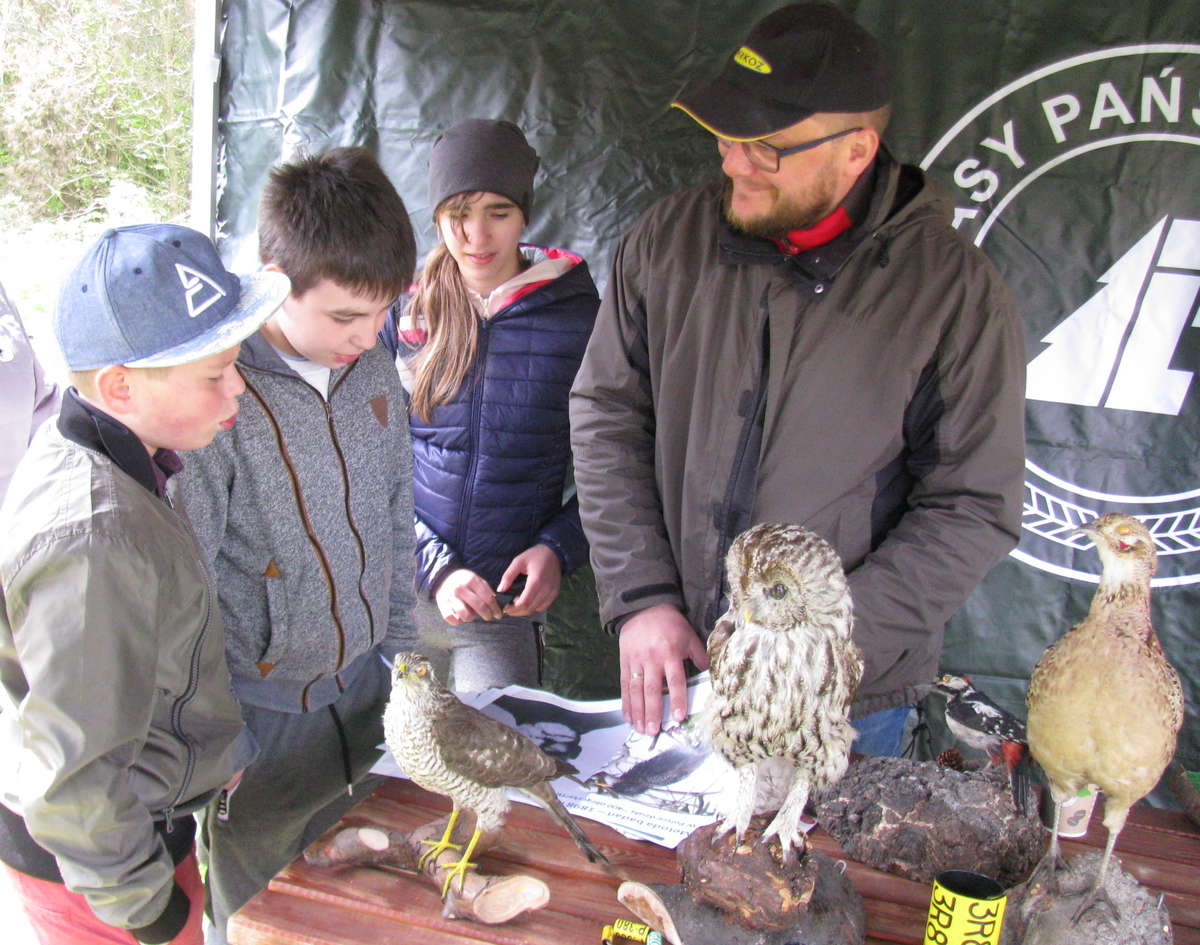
157,295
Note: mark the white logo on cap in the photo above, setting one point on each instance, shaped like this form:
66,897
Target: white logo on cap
194,286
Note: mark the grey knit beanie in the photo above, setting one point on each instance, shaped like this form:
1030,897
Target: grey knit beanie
482,154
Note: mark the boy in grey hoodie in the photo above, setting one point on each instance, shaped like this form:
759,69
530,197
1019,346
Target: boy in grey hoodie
304,510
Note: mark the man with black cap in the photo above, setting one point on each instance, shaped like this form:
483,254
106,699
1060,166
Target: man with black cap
806,341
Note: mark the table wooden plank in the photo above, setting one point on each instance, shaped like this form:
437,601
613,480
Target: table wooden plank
378,905
272,918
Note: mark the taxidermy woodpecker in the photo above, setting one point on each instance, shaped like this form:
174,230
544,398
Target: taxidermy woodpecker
975,720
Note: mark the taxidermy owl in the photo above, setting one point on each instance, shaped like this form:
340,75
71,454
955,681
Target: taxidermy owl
784,672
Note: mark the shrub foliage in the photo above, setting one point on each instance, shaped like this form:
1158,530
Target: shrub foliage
93,92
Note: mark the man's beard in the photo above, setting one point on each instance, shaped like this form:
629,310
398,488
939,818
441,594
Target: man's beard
784,216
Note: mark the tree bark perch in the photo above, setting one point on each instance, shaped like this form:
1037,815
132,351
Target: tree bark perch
485,898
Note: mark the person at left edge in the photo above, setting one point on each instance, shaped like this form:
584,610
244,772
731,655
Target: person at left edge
117,720
27,397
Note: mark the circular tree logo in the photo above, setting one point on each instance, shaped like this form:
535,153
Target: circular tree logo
1079,181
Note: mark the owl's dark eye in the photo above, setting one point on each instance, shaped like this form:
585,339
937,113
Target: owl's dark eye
777,591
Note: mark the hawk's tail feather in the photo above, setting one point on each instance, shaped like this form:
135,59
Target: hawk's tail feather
545,794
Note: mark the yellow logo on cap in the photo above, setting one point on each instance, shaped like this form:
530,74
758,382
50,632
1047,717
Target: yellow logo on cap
751,60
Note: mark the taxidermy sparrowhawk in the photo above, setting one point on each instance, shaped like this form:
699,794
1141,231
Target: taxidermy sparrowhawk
784,671
1105,706
453,749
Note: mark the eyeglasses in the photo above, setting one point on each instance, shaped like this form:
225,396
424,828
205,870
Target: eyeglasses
766,157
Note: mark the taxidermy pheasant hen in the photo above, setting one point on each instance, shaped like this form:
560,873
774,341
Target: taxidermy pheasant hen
784,671
1104,704
455,750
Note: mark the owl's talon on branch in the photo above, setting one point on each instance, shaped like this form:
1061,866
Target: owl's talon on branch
723,828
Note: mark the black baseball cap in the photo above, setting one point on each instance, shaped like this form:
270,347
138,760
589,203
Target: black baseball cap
802,59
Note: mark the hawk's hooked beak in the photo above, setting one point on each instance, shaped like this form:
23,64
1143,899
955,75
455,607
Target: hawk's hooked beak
408,669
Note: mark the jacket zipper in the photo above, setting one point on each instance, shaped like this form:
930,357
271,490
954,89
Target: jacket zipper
326,570
362,548
725,534
190,691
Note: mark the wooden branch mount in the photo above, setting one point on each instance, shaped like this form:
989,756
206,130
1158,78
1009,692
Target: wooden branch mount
485,898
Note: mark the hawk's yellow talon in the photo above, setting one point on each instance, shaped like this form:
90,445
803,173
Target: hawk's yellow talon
459,867
445,843
435,847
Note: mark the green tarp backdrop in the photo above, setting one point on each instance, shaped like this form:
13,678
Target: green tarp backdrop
1067,135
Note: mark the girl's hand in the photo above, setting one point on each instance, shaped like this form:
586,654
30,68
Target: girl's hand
464,596
543,577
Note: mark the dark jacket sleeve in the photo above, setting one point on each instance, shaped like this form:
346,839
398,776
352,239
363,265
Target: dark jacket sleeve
435,559
564,535
612,438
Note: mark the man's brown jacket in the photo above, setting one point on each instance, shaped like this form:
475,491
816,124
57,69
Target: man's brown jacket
871,389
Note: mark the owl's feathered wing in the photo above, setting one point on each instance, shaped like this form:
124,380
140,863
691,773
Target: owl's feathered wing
716,642
852,667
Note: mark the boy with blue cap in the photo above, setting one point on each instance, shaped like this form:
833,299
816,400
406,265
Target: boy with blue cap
117,715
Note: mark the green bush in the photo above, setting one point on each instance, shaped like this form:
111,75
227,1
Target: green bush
93,92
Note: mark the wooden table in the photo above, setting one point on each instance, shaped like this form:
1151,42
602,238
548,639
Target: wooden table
380,906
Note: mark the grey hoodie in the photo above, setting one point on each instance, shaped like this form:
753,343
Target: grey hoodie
304,509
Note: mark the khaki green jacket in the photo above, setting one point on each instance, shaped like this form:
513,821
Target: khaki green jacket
116,709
